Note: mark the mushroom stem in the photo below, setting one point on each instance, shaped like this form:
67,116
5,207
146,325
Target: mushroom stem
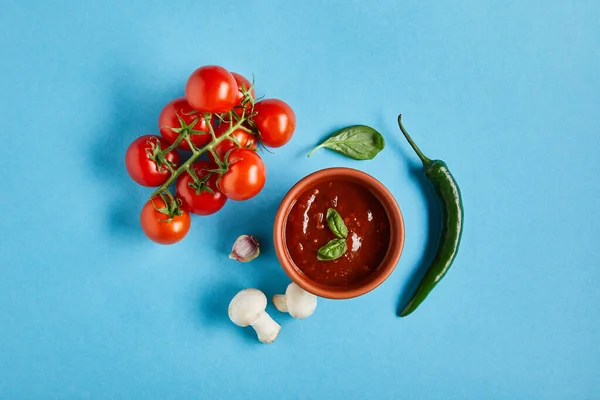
296,301
247,308
280,303
266,328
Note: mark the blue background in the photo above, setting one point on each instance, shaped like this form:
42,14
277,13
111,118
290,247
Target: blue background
506,92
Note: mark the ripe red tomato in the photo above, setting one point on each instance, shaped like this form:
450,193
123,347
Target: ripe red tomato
141,168
275,121
245,176
245,139
245,83
168,123
158,229
209,200
211,89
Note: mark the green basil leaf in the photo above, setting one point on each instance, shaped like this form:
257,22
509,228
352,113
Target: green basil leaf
332,250
336,223
359,142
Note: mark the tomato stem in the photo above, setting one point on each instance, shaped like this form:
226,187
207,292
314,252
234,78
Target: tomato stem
184,133
191,144
196,153
192,172
176,142
207,118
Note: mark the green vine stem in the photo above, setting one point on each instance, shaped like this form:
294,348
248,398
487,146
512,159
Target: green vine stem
185,132
186,166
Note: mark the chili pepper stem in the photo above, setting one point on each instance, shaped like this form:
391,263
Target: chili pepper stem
422,156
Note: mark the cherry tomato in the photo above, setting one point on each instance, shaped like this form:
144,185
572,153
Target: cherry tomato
141,168
168,123
245,176
245,139
245,83
158,229
275,121
209,200
211,89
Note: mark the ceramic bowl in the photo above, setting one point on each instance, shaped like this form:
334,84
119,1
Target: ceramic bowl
389,261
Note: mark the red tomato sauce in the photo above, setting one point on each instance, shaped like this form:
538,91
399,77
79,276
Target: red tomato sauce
368,232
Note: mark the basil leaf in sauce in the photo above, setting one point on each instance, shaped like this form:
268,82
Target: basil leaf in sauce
332,250
336,223
359,142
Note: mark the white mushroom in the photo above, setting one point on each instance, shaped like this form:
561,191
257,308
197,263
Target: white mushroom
297,301
248,308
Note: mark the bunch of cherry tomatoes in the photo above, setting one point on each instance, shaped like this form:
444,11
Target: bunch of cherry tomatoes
221,117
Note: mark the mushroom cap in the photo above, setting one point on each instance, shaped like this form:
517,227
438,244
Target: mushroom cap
300,303
246,307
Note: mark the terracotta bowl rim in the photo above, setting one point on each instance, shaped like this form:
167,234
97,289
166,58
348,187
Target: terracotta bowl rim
391,258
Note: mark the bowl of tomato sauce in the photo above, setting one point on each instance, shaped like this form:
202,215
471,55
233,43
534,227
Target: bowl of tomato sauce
373,242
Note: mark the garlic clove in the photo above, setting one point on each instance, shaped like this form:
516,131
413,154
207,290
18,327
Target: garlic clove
246,248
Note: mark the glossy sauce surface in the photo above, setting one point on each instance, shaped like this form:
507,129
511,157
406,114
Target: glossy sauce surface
368,232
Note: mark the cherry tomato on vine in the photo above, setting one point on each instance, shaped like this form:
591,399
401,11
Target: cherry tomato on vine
142,168
170,126
275,121
203,200
246,84
245,176
156,226
211,89
245,139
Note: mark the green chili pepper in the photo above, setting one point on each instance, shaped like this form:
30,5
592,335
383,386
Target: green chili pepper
448,192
